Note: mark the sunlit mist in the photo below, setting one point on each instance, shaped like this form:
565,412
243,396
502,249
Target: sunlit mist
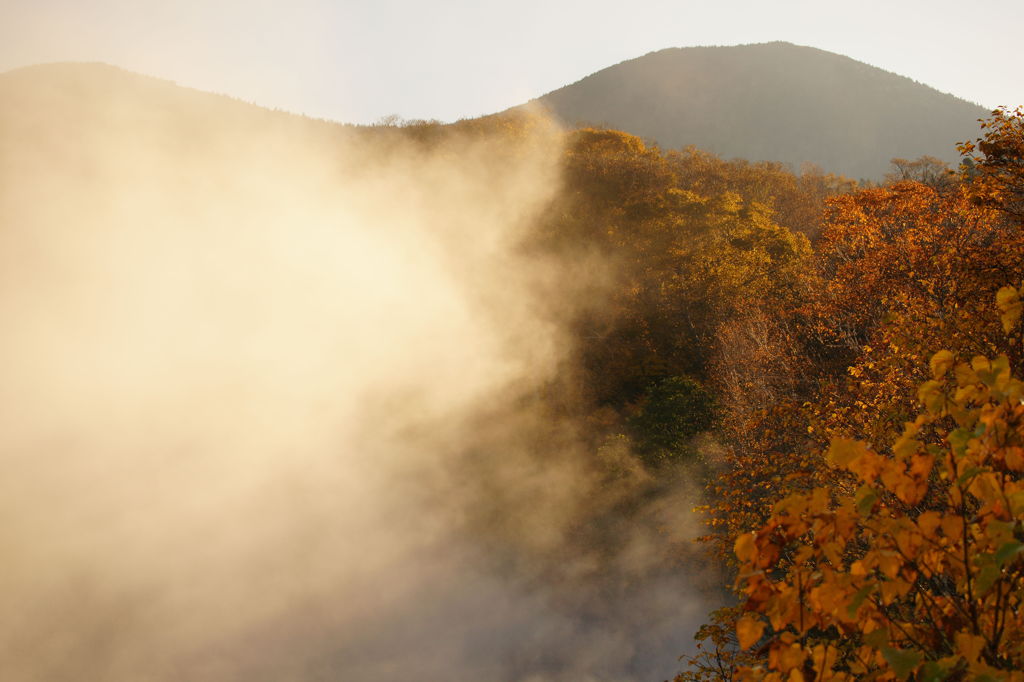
267,404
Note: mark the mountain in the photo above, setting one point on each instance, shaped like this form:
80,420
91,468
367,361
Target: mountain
55,111
773,101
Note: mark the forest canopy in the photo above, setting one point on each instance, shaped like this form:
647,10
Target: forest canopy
851,351
886,540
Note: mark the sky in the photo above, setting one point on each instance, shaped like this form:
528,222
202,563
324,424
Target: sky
358,61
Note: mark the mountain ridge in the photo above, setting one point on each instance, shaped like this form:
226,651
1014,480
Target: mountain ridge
762,102
771,101
780,43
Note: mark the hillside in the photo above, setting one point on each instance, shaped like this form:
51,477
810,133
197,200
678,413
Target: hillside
774,101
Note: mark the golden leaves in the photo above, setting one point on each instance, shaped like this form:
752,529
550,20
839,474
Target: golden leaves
928,523
842,452
745,548
918,544
969,646
1010,306
952,526
940,363
877,578
749,629
931,395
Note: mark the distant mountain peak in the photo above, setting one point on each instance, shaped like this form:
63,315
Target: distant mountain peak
772,101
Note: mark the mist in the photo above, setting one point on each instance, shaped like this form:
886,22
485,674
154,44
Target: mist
270,407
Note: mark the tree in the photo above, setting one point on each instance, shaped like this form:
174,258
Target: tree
900,269
673,411
927,170
995,162
916,567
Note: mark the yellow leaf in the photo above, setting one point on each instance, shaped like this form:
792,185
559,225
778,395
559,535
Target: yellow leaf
965,375
1008,300
930,395
969,646
921,466
905,447
843,451
749,629
985,486
786,657
892,589
818,502
940,363
868,466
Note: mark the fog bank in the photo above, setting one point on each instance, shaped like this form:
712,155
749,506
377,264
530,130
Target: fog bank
270,411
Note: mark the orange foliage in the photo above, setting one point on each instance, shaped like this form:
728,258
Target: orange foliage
996,162
920,570
899,561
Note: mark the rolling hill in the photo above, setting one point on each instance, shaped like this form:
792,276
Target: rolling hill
773,101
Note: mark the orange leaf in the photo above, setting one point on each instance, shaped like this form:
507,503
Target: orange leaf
745,548
749,629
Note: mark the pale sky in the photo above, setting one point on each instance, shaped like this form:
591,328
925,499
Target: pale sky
360,60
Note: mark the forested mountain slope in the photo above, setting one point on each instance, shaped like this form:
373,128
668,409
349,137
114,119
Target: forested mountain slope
773,101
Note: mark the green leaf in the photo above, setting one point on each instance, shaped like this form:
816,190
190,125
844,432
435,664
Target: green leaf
877,638
1008,552
987,577
866,497
858,599
968,474
959,439
933,671
903,662
931,396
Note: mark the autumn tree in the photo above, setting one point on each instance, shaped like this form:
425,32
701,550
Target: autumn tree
671,264
672,412
916,567
927,170
795,198
900,269
995,162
